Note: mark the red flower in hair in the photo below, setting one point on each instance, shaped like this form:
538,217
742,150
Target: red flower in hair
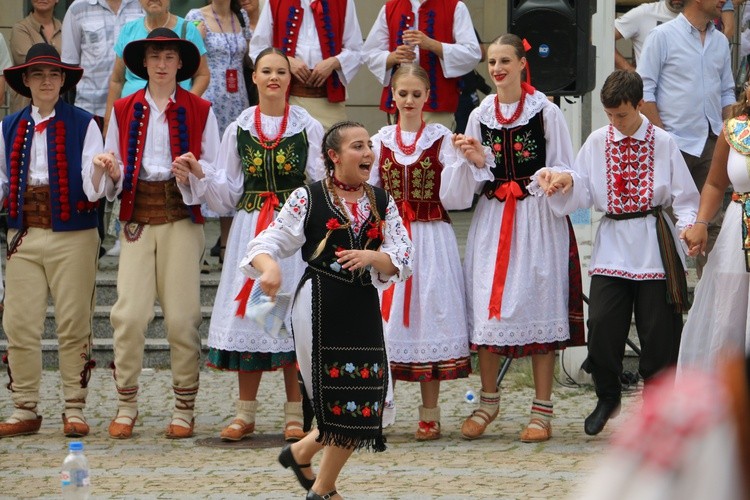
332,224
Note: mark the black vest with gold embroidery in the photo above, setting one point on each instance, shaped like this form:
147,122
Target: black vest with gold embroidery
519,153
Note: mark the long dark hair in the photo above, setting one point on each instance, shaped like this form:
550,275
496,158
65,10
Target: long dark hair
236,8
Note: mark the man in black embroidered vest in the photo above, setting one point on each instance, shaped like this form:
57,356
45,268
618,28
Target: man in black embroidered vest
157,134
46,178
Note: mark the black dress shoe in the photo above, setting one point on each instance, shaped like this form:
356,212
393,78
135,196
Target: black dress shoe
311,495
287,460
605,409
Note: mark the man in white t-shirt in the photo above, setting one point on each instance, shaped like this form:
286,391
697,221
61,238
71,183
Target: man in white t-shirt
637,23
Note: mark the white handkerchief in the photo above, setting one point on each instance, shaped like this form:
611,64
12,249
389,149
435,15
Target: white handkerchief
269,314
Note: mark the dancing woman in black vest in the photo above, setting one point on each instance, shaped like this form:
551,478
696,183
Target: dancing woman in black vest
353,241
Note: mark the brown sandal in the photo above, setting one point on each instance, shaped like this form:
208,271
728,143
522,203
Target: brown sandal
542,431
471,429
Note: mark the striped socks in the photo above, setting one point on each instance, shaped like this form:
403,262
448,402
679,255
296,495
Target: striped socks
542,410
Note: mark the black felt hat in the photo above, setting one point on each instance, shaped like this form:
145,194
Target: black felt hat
135,51
42,53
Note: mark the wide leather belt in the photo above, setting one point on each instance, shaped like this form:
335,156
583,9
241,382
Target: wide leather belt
299,89
158,202
36,207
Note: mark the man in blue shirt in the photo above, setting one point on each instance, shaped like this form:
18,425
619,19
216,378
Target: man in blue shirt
688,87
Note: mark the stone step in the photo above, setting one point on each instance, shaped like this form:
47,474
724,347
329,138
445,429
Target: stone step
106,288
156,353
102,327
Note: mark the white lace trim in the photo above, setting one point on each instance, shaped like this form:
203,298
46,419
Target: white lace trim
428,352
516,335
431,133
298,121
534,103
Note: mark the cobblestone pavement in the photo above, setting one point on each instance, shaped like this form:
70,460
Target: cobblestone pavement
151,466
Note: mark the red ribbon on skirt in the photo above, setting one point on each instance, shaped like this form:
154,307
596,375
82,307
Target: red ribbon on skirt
265,217
508,192
407,215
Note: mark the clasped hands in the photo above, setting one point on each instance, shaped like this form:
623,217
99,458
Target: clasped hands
695,238
551,182
182,167
317,76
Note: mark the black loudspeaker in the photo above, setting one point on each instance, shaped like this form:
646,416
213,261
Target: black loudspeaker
561,58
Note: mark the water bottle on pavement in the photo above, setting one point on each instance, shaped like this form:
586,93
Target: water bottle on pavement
75,474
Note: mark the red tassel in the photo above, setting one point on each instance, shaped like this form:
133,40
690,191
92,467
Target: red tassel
243,297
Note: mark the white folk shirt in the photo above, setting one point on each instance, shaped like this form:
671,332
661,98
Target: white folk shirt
156,164
458,58
308,43
629,248
38,167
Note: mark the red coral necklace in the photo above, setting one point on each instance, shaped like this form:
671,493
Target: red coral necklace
344,186
408,150
519,109
264,141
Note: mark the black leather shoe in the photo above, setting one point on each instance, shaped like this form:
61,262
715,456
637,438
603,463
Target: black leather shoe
311,495
605,409
287,460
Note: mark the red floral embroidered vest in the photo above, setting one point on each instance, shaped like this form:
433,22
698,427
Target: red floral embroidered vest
415,187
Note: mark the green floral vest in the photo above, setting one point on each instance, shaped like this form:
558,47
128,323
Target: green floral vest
280,170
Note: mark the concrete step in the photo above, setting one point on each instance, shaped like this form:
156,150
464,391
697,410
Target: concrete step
106,288
102,327
156,353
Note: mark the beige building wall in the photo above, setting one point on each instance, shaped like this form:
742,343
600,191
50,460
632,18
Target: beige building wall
10,13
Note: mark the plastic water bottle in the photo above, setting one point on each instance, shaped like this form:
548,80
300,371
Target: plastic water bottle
75,474
470,397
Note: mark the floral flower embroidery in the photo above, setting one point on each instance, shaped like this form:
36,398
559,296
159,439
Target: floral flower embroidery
365,371
524,147
495,144
286,159
353,409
